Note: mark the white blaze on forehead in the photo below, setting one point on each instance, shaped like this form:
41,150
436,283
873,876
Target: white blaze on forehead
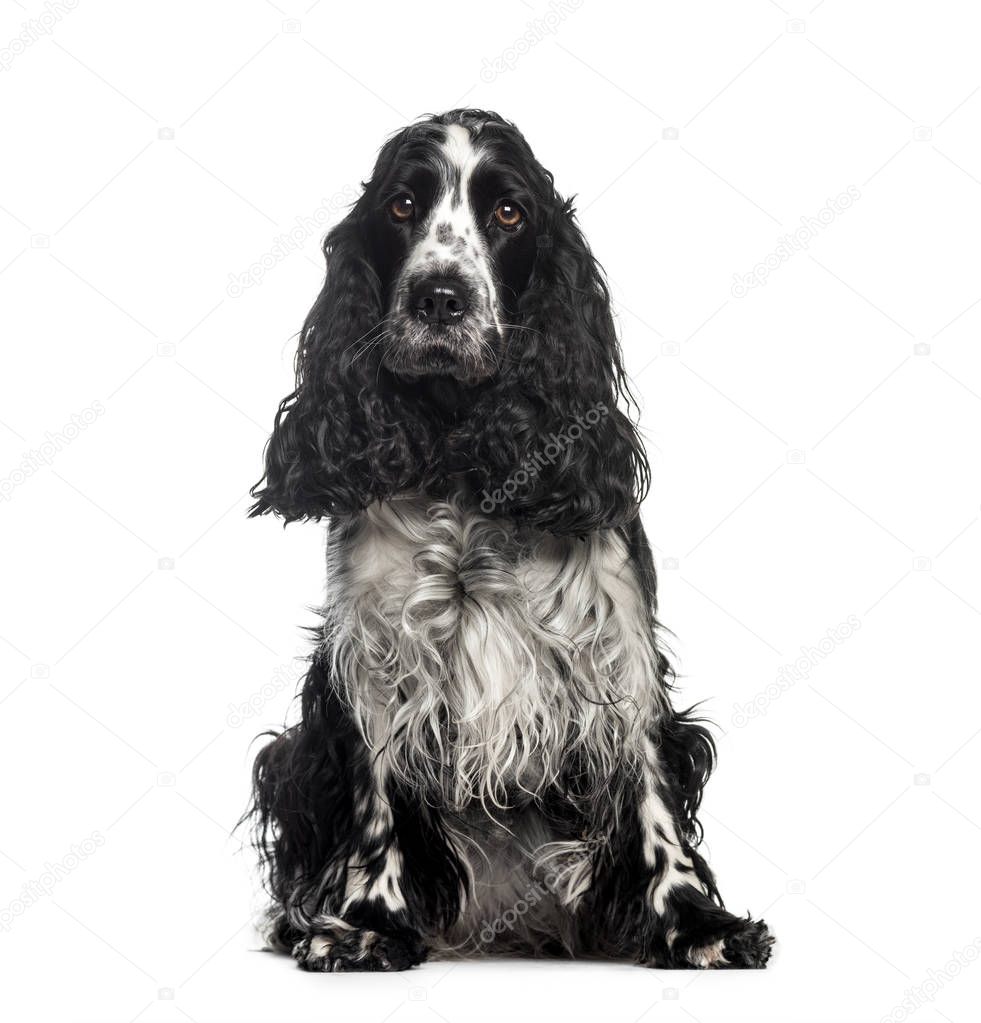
452,217
452,238
460,152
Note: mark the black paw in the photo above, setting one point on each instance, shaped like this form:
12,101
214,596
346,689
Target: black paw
749,946
743,944
358,950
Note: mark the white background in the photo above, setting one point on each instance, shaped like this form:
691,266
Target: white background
814,443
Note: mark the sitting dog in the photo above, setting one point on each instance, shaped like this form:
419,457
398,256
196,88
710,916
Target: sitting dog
487,757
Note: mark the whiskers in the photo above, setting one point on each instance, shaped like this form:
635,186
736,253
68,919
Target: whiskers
474,344
369,339
484,353
512,329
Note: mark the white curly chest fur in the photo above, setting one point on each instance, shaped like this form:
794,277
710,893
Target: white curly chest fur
478,655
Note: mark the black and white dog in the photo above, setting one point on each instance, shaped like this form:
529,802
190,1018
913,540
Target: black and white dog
487,757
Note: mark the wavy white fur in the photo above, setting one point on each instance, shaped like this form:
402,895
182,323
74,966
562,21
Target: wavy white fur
477,655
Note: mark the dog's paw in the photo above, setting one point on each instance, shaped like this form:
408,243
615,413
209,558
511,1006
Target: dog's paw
357,951
749,947
746,945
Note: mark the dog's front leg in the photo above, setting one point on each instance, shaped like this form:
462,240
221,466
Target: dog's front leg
655,894
373,928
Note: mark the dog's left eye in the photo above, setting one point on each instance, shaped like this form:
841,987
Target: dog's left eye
402,207
508,215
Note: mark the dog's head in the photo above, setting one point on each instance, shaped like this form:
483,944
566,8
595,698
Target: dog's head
463,325
453,243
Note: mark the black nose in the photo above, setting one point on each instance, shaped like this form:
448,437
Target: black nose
438,300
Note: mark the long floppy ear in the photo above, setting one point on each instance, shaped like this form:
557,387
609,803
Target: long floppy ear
340,439
565,455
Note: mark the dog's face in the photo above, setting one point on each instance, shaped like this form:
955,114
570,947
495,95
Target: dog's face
452,236
462,324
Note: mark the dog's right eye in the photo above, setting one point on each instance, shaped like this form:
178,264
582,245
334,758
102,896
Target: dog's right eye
402,208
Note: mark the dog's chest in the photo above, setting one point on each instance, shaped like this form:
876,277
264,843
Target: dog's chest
490,648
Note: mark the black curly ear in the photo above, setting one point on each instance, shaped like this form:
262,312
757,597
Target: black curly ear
565,455
340,439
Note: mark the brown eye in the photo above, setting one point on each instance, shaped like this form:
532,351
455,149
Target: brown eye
508,214
403,207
